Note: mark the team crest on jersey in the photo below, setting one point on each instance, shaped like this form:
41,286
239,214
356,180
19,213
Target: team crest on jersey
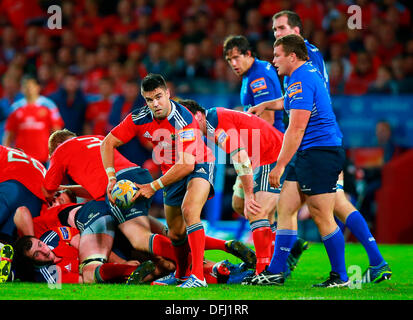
186,135
294,89
258,84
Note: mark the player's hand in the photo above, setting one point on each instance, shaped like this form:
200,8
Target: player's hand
275,176
109,189
257,110
251,206
144,190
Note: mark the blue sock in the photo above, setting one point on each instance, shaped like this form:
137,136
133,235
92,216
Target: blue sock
334,244
340,224
284,240
358,226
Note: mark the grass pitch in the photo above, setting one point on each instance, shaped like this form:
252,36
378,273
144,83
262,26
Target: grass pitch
312,268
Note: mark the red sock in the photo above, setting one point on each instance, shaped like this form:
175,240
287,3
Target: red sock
109,271
160,245
214,244
196,239
181,252
262,238
273,241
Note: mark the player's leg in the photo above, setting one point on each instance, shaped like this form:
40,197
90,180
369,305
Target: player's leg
318,171
238,197
355,222
262,233
198,190
321,210
179,239
289,202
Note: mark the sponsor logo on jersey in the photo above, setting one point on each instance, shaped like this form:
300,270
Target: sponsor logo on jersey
147,135
186,135
65,233
294,89
221,137
258,84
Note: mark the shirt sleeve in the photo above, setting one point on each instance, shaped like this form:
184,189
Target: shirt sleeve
126,130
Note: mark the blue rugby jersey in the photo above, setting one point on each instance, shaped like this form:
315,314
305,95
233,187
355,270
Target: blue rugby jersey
261,84
306,89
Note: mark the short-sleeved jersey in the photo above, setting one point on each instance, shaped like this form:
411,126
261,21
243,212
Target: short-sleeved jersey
32,125
316,59
80,159
307,90
233,130
261,84
58,239
16,165
179,132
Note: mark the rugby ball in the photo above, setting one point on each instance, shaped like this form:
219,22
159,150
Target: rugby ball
123,192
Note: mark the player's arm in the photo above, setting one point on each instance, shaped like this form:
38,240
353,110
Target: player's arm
267,106
107,151
24,221
184,165
292,140
243,167
78,190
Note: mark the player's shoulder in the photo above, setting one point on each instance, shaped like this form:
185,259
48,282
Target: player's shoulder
50,238
261,68
46,102
211,117
18,104
180,117
142,115
311,47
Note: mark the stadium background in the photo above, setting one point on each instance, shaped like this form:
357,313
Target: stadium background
108,46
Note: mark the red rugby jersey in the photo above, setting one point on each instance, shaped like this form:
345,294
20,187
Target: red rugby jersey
32,125
16,165
235,129
179,132
49,218
80,159
58,239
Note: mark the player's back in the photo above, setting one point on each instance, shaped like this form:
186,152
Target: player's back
250,129
16,165
80,158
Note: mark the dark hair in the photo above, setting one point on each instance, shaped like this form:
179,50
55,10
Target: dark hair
293,19
192,105
69,193
153,81
240,42
293,43
22,264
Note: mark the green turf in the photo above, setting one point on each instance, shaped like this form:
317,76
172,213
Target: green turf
312,268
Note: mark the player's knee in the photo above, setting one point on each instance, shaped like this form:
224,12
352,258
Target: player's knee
238,205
